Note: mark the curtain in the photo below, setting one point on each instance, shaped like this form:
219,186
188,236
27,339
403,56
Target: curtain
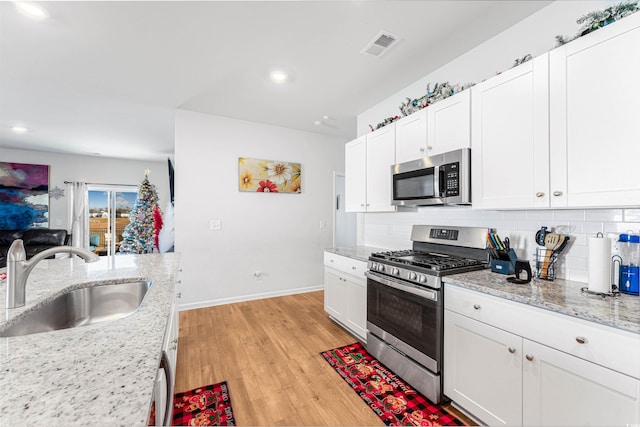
80,219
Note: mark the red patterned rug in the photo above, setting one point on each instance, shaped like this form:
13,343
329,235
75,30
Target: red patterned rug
204,406
393,400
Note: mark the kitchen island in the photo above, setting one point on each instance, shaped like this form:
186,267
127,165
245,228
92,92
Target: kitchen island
101,374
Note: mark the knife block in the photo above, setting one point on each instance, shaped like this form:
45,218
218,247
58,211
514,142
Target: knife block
505,266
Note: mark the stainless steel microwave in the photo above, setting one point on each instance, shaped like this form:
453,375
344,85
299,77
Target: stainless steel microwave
443,179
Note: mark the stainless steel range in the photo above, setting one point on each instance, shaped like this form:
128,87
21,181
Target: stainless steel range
405,310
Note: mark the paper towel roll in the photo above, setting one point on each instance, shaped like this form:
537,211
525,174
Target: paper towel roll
600,264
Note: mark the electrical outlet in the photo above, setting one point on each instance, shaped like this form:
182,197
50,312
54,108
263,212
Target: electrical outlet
216,225
323,224
257,275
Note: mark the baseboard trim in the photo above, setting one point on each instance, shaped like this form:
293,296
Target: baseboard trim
242,298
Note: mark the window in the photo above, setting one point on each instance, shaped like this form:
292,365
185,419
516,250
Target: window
109,208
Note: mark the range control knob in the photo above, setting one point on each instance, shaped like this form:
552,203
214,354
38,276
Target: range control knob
412,276
422,278
380,267
395,271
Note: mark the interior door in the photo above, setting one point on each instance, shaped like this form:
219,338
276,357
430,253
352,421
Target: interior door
108,211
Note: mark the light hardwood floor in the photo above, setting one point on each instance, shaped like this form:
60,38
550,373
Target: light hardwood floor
268,351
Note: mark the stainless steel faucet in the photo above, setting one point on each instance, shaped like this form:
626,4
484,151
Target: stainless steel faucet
18,268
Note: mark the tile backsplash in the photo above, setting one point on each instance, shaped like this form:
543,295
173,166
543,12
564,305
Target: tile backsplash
393,230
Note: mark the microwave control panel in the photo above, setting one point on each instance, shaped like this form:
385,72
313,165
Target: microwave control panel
451,175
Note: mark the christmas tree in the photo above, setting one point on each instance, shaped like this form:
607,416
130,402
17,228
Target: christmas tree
145,221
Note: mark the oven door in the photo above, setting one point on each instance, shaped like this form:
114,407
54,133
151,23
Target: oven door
407,317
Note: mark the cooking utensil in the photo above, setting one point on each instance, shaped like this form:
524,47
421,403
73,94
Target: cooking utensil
564,239
540,235
551,242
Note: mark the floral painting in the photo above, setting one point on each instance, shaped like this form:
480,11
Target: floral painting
24,196
268,176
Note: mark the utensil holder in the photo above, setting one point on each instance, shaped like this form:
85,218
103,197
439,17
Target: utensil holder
546,264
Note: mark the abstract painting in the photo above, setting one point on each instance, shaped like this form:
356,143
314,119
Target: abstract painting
24,196
269,176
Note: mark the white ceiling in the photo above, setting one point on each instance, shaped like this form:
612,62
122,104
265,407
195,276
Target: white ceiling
105,77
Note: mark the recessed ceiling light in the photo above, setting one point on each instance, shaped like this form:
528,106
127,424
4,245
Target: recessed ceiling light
279,76
31,10
317,123
19,129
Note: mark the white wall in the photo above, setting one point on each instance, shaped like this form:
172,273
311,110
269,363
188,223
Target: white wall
96,169
535,35
276,234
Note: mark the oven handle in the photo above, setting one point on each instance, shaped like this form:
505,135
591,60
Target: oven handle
424,293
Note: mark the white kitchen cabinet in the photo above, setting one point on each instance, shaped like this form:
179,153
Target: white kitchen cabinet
449,124
411,137
335,292
345,293
477,357
510,138
594,133
559,131
368,161
355,175
441,127
560,389
502,364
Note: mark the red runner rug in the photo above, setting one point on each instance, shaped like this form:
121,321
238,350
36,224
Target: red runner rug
393,400
204,406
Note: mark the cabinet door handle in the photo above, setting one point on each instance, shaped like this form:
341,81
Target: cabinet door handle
429,147
581,340
557,193
529,357
353,267
422,149
179,295
476,306
512,350
539,194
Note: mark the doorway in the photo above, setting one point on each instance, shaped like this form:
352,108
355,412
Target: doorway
108,212
345,223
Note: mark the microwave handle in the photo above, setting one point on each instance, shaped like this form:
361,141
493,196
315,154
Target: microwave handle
437,191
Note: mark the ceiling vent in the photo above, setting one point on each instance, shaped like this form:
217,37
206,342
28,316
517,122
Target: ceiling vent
380,44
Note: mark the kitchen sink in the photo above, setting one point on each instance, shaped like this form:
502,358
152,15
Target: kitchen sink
92,304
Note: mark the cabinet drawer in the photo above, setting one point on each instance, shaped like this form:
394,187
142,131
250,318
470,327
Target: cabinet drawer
610,347
345,264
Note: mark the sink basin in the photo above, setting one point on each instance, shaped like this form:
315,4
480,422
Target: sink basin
81,307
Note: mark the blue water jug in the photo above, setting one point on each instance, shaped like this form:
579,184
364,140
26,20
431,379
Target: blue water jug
630,266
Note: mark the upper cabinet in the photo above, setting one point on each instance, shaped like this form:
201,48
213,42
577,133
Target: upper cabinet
510,138
441,127
449,124
594,133
559,131
411,136
368,161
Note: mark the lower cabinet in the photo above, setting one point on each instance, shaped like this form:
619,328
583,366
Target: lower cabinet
504,378
345,293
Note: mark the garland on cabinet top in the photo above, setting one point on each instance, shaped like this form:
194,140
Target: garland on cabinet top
600,18
440,91
590,22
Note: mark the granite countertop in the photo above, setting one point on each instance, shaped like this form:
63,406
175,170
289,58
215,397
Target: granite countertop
561,296
101,374
361,253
